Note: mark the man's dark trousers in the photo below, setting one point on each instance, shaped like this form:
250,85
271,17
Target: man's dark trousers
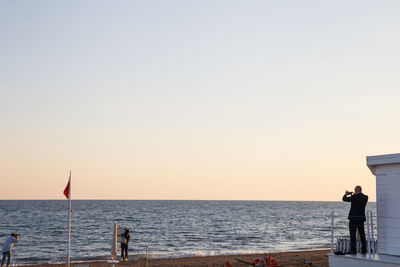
353,226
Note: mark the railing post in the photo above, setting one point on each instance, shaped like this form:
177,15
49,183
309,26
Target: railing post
368,236
372,232
332,226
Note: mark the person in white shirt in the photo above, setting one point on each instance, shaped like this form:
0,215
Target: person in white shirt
6,250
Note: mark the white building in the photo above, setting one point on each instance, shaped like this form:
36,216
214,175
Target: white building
386,168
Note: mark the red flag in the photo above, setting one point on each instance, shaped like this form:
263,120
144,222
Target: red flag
66,190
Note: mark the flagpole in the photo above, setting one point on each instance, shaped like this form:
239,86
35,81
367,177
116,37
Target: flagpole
69,221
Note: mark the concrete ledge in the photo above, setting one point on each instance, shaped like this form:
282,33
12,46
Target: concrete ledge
364,260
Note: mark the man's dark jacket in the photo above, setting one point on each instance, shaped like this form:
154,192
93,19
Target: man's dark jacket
358,203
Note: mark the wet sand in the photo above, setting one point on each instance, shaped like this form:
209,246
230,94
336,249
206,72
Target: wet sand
288,259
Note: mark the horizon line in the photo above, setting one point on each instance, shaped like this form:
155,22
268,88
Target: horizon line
249,200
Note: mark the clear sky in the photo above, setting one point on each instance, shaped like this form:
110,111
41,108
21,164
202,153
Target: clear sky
247,100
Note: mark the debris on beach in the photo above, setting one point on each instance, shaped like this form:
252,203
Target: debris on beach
258,262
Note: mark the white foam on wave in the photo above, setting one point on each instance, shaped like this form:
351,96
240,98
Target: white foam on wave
225,253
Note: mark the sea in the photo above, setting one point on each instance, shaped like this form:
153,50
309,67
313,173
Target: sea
168,228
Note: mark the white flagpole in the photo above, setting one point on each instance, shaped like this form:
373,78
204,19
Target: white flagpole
69,221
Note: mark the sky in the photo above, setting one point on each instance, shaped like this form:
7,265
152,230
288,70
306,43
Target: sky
204,100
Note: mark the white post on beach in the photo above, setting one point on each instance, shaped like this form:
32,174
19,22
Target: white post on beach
333,218
138,257
69,221
114,242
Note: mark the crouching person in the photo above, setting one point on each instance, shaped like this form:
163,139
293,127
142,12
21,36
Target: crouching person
7,247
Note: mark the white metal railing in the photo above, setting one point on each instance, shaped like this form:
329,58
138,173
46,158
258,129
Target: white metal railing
343,244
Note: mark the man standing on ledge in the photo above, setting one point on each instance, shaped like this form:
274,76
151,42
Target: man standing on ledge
356,217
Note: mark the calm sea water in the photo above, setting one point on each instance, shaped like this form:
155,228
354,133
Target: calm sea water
169,228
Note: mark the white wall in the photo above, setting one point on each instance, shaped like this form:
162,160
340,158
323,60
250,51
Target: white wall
388,208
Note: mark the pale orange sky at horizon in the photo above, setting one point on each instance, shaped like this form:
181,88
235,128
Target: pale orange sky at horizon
183,100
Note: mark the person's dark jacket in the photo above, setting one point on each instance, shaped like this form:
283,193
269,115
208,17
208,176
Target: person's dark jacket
358,203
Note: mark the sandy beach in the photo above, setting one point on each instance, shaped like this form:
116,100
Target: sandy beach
288,259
